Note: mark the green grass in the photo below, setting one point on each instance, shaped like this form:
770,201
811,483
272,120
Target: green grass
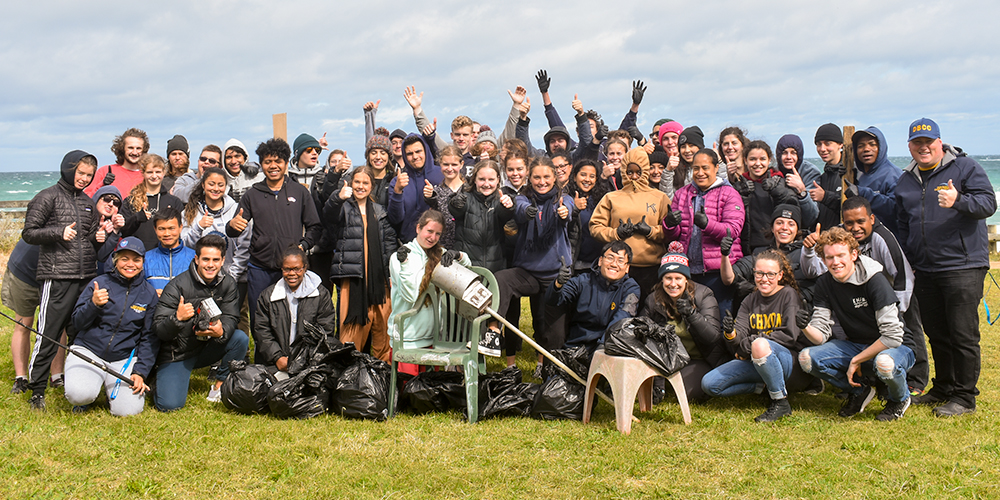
205,451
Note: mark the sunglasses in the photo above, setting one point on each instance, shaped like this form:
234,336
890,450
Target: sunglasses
210,161
112,199
312,150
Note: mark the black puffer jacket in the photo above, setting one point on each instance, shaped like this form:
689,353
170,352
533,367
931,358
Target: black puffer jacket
759,205
49,212
479,228
178,341
344,222
704,325
272,325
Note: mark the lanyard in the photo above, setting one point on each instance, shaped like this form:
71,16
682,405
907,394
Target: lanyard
118,383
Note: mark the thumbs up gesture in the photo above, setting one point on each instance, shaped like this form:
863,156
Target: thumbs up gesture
506,201
185,311
726,245
810,240
817,193
562,211
100,295
947,197
580,200
643,228
239,223
346,192
701,218
428,189
577,104
69,232
402,180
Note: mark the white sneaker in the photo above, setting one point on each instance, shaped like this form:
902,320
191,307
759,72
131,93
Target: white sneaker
214,395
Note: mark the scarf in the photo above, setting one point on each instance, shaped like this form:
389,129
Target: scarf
365,293
541,231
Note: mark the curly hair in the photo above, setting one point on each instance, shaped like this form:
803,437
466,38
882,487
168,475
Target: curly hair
138,194
118,145
602,129
787,274
277,147
835,236
198,193
600,185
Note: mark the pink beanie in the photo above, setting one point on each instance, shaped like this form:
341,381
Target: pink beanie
674,127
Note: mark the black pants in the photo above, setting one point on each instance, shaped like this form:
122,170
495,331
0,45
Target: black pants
913,337
55,310
949,303
549,323
320,263
646,278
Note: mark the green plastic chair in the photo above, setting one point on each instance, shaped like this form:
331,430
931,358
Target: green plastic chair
456,342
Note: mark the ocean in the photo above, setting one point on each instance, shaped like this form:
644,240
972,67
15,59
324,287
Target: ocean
24,185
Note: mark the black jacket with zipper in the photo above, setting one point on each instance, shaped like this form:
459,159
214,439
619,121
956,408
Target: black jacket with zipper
279,221
272,326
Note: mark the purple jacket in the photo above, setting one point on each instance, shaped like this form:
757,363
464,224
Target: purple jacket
724,207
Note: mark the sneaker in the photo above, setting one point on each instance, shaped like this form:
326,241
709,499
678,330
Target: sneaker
213,372
20,386
538,371
929,398
57,382
893,410
215,395
37,402
777,409
815,388
491,343
856,403
952,409
81,408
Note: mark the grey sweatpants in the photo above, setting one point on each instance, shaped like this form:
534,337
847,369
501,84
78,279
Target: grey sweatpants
84,381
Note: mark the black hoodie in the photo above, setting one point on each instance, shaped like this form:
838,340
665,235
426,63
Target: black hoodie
49,212
279,221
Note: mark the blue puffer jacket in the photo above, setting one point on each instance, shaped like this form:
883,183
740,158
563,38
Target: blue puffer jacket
595,303
162,264
123,324
404,209
945,239
879,183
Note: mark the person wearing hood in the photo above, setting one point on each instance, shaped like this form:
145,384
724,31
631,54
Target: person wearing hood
360,267
63,222
107,203
147,198
799,175
287,306
178,161
305,160
240,173
406,197
875,176
170,256
125,174
763,188
596,299
633,214
826,192
858,294
943,200
114,321
190,335
701,215
283,215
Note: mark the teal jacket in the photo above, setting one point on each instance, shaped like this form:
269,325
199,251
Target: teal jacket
405,278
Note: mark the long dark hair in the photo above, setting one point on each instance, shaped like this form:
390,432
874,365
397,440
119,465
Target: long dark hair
198,193
668,302
600,185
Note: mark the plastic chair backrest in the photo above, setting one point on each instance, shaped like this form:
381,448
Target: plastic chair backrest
454,329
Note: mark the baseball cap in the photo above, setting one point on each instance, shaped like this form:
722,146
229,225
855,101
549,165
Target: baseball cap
924,127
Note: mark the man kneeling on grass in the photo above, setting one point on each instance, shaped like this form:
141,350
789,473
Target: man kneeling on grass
856,290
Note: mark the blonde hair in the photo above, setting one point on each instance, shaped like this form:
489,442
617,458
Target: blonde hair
138,193
460,121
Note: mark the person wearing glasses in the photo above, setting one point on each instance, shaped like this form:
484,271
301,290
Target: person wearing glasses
211,156
284,308
763,338
305,162
108,203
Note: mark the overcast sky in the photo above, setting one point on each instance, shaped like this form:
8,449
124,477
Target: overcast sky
75,74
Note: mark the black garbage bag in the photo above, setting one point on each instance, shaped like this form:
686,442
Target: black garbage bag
245,389
302,396
311,346
561,396
502,394
362,389
644,339
435,391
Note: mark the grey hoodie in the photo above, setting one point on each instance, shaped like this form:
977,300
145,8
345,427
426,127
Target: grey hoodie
865,306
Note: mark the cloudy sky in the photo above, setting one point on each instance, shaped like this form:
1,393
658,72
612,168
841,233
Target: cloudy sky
75,74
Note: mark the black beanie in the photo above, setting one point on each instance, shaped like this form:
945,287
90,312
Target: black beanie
398,133
692,135
787,211
829,132
659,156
178,143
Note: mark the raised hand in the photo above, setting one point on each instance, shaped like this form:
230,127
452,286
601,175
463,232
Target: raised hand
565,273
580,200
810,240
638,89
185,310
412,98
371,105
524,107
69,232
119,221
673,163
577,104
402,253
543,81
607,170
346,192
729,325
343,165
449,257
506,201
803,316
743,186
206,221
643,228
673,218
726,245
430,128
100,296
625,229
684,307
636,134
531,211
562,211
770,183
518,94
947,197
428,189
701,218
109,178
323,143
794,181
239,223
817,193
402,180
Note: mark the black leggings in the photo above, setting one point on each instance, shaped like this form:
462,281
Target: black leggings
548,321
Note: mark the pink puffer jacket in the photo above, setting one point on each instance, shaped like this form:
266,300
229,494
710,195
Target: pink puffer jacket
724,207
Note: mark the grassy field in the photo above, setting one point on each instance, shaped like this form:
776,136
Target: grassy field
204,451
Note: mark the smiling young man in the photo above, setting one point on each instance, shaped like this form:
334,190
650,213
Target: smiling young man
826,193
875,175
126,174
187,339
943,200
406,199
597,299
170,257
857,292
239,174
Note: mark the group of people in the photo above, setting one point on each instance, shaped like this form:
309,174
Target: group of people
776,274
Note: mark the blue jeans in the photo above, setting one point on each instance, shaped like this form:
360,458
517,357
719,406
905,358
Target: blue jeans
742,376
172,379
830,361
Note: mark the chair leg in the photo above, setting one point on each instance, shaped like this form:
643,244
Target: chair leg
392,389
678,384
588,398
646,394
624,391
472,389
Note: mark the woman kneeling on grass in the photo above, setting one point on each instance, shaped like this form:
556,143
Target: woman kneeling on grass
114,318
410,276
763,337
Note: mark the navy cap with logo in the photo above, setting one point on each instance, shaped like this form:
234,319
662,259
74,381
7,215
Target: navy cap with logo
924,127
132,244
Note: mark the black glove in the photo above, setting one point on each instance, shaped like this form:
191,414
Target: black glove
602,132
251,168
109,178
459,201
852,190
771,183
726,245
744,187
701,218
565,272
636,134
673,218
543,81
402,253
642,228
531,211
728,324
804,315
638,89
449,257
684,307
625,229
